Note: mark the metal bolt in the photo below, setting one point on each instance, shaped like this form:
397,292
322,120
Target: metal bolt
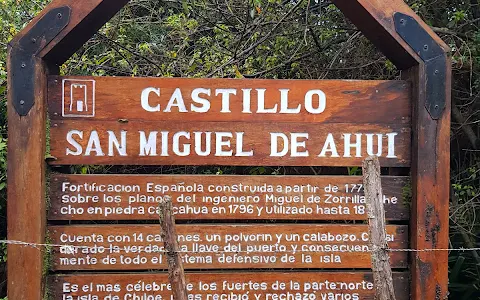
24,65
425,47
34,40
55,114
59,15
22,102
402,21
436,106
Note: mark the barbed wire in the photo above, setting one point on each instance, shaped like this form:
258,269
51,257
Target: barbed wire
71,249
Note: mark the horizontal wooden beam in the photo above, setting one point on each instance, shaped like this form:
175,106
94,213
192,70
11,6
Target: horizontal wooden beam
222,246
254,100
314,285
197,197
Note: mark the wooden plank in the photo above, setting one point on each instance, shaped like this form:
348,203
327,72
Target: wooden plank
26,211
114,98
261,286
430,189
186,143
221,246
203,197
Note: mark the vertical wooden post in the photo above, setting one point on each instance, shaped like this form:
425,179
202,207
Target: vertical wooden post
382,272
57,39
26,210
176,274
430,169
430,191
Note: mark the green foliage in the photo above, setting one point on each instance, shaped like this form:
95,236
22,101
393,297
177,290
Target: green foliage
354,171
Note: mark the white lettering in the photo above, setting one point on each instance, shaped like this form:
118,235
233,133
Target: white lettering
205,103
148,147
73,142
322,101
144,99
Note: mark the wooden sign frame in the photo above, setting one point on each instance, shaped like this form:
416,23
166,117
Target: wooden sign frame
64,25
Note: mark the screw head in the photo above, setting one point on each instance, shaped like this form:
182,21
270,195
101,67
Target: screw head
402,21
436,106
24,65
22,102
34,40
59,15
425,47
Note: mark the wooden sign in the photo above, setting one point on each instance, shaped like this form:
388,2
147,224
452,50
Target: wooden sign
100,224
232,285
307,122
136,197
228,100
140,247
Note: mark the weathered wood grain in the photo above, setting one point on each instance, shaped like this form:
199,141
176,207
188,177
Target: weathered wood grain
230,143
430,190
176,273
26,190
203,197
120,98
221,246
382,271
206,285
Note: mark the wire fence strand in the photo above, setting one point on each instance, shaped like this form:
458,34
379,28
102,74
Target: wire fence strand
71,249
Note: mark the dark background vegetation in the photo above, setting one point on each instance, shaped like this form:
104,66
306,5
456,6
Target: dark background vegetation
304,39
